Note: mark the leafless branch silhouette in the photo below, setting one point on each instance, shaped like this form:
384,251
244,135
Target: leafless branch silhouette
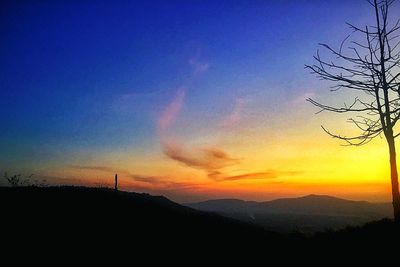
371,68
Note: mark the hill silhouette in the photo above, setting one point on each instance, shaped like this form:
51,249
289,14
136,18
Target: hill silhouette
308,214
80,219
104,216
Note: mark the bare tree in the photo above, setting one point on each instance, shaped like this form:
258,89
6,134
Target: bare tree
369,67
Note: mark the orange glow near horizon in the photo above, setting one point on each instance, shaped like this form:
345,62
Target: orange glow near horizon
194,101
296,167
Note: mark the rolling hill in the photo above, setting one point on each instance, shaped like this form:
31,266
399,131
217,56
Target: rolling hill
307,214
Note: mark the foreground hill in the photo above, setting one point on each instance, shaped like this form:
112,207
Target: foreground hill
68,220
307,214
89,214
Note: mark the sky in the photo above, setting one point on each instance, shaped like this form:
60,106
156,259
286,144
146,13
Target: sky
189,99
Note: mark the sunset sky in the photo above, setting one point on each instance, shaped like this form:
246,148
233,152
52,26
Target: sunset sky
189,99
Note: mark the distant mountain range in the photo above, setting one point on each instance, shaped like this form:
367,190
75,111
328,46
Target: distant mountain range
306,214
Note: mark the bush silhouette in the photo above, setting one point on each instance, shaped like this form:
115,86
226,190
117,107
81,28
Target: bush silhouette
17,180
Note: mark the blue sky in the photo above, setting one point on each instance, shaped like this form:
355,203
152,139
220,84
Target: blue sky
63,60
96,76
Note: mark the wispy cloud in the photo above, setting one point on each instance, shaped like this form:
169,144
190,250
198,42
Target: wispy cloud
164,183
270,174
171,111
211,159
201,158
92,168
146,178
235,116
205,158
143,181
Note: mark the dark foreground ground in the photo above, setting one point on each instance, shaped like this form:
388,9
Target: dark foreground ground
67,220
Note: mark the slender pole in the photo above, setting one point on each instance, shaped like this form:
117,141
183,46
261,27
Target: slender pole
116,182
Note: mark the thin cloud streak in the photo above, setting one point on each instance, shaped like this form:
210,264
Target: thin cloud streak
270,174
171,111
207,158
92,168
164,183
235,116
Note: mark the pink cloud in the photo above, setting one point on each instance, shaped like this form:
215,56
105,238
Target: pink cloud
208,159
171,111
211,160
235,116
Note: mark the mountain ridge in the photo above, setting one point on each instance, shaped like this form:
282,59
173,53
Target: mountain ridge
309,196
313,212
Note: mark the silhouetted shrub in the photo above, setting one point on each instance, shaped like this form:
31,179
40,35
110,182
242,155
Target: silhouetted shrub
17,180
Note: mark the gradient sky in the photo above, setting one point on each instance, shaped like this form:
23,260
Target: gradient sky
189,99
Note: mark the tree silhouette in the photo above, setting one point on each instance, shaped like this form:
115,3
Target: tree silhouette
370,68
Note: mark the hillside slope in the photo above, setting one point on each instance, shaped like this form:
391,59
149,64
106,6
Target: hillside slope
102,216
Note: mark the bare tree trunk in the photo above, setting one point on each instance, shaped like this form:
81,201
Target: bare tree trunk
394,179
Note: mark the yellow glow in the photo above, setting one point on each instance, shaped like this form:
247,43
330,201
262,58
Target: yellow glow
296,157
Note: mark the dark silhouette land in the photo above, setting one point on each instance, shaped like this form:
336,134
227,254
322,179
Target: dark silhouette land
93,218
